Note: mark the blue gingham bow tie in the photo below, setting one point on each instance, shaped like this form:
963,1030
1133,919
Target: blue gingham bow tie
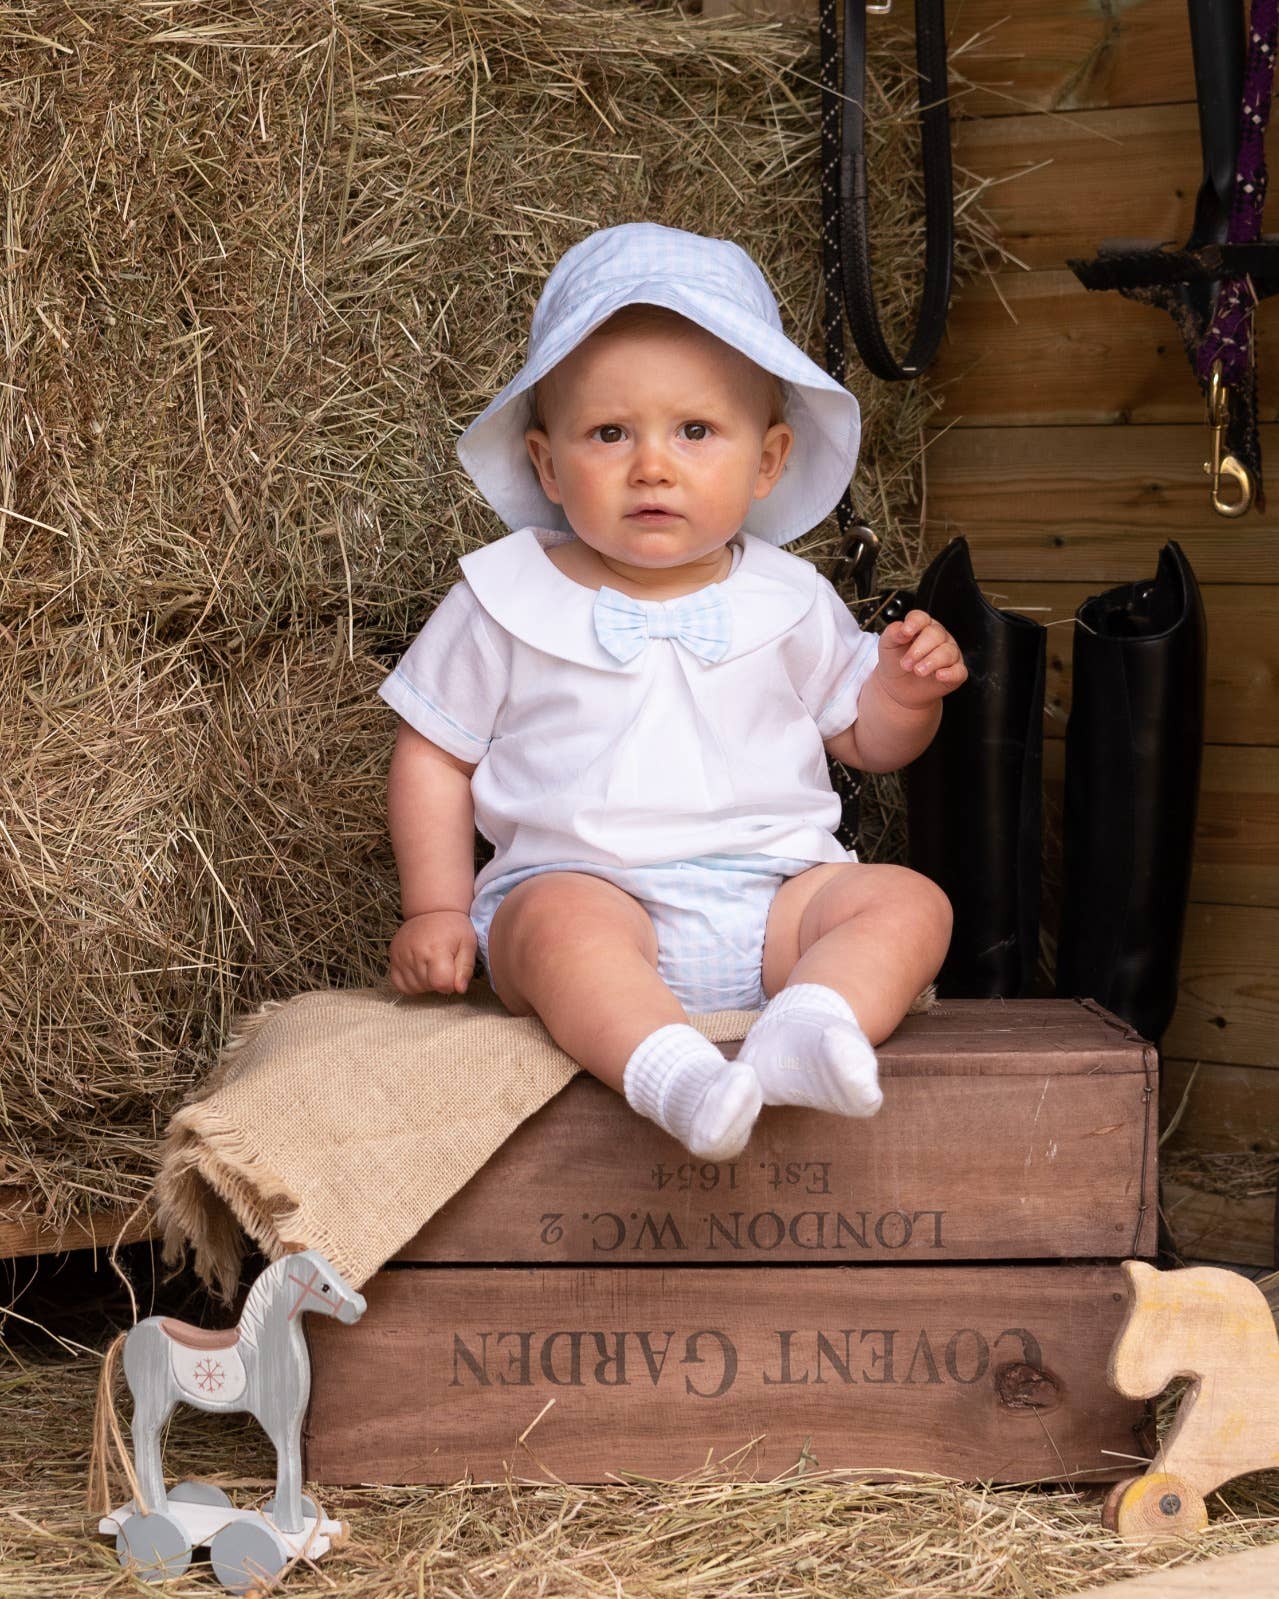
701,622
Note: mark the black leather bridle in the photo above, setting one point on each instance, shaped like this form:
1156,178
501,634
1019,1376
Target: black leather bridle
846,253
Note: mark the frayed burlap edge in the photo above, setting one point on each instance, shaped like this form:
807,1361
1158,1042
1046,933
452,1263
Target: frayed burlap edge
213,1187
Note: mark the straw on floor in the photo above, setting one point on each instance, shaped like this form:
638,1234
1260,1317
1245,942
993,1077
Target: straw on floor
808,1534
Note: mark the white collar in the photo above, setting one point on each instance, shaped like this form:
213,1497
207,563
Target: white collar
521,588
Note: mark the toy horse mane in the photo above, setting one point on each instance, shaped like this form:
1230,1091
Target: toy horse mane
258,1301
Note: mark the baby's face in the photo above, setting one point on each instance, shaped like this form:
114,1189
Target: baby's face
656,442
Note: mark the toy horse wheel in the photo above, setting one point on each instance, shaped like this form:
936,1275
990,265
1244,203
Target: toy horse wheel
156,1546
247,1554
1110,1506
193,1492
1158,1505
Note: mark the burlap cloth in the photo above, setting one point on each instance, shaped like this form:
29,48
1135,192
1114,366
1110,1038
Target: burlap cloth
342,1120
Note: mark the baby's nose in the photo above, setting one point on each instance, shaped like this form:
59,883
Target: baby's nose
652,460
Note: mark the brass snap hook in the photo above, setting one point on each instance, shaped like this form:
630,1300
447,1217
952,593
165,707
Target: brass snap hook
1223,468
1233,469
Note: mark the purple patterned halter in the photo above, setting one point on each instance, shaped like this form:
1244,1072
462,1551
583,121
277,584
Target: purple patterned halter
1229,335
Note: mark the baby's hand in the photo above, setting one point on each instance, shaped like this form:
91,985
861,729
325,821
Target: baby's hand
919,660
434,952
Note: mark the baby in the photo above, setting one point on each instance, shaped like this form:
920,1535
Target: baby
632,696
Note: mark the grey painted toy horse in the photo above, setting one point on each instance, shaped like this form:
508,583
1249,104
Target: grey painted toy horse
261,1365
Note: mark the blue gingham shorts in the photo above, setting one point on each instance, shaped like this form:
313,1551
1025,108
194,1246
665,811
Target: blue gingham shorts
709,914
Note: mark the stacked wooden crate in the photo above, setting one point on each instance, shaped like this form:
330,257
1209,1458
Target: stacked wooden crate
936,1288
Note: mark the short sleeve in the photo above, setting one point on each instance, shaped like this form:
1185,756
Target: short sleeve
845,658
451,681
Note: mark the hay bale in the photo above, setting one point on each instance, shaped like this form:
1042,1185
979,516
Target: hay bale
264,263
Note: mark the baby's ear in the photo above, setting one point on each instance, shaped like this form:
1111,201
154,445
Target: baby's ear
776,447
538,444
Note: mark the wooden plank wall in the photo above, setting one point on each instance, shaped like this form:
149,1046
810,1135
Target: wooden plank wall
1075,447
1069,446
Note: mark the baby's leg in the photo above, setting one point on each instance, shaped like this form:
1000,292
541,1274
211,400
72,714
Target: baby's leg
875,934
847,948
582,954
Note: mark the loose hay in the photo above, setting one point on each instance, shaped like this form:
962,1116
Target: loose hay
825,1535
1243,1174
263,264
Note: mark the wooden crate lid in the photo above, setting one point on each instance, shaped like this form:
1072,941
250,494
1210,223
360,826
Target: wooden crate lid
1014,1037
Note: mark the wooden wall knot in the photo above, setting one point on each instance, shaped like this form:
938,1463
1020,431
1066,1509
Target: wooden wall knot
1021,1386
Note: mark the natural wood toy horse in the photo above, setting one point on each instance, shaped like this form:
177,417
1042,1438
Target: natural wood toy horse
261,1366
1216,1327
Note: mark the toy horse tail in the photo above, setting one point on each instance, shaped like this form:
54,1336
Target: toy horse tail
108,1437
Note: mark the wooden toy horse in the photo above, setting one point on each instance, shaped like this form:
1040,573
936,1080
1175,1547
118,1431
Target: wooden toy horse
1216,1327
261,1365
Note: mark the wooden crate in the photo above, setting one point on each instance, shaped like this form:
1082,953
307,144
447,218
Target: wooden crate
664,1308
981,1371
1009,1130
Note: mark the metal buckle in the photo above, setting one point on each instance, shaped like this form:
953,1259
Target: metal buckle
858,550
879,8
867,544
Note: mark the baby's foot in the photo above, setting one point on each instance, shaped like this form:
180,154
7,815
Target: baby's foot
678,1078
808,1048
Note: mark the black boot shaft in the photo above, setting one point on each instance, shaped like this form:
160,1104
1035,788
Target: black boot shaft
1134,745
974,796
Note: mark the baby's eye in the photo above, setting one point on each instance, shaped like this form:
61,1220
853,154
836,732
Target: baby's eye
606,429
697,431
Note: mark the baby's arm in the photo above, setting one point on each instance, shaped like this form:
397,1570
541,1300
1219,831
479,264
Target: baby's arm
432,822
899,709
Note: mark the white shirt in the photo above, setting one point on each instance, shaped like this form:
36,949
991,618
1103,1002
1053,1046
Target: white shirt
667,757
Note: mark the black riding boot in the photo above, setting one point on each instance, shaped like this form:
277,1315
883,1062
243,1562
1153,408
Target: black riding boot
973,798
1134,743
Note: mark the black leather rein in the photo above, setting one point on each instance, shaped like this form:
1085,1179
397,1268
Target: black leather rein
845,216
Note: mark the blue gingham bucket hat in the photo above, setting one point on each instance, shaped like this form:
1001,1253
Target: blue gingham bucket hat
716,285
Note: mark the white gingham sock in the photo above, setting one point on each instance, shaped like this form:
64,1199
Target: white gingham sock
808,1048
677,1078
